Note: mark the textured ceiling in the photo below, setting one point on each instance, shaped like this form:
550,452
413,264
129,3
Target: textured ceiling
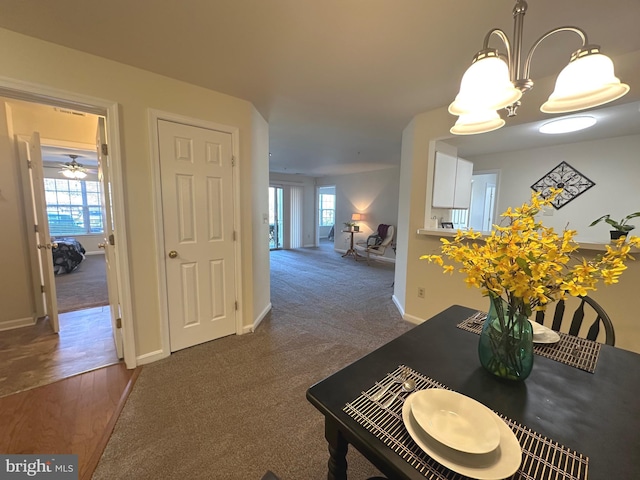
337,80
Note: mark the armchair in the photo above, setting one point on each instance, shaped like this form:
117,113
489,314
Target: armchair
377,243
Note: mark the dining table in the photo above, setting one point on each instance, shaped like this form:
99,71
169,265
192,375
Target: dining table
587,417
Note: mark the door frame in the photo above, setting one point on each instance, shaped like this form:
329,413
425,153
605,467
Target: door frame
496,198
154,117
42,94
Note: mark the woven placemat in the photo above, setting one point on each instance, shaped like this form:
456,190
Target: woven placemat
542,458
570,350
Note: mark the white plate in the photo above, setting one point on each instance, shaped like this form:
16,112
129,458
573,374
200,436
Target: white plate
501,463
542,334
456,420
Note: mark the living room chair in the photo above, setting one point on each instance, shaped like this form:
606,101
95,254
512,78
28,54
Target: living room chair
377,243
593,312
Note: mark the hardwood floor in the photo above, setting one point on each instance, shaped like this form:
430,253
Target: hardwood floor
35,356
75,415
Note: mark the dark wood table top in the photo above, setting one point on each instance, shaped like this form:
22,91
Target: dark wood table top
596,414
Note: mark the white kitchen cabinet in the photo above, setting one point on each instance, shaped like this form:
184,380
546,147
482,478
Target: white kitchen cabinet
451,182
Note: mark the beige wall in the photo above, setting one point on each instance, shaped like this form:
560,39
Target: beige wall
136,91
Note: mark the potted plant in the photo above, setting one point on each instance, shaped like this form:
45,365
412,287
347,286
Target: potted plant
350,226
620,228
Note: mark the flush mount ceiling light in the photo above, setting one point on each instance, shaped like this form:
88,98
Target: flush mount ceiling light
567,125
495,81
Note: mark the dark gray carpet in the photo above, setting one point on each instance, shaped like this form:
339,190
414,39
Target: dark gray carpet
85,287
235,407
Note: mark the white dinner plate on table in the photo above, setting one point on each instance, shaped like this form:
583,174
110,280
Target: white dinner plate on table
502,462
542,334
456,420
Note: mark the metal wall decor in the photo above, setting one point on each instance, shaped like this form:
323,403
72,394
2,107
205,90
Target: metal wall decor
564,176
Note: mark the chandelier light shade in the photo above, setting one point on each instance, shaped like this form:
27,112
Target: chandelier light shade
492,83
485,86
477,122
587,81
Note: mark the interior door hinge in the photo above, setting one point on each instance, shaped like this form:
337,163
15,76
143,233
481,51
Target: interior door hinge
29,164
118,323
35,228
236,305
105,149
234,235
41,288
233,161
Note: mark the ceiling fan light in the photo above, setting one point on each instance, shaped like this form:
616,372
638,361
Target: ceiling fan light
587,81
73,174
485,86
478,122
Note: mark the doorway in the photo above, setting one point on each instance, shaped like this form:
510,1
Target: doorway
483,201
40,99
276,217
63,201
326,214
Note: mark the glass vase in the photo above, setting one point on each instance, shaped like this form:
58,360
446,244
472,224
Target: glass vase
506,342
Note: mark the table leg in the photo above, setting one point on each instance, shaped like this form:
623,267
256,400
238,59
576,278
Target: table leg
337,452
351,250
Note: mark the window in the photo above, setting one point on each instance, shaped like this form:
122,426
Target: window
73,206
327,212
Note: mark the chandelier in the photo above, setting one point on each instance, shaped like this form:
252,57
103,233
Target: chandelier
495,81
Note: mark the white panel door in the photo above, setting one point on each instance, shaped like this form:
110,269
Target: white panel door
108,243
42,238
197,201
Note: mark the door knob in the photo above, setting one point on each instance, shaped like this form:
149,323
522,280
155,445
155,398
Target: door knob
47,246
101,245
173,254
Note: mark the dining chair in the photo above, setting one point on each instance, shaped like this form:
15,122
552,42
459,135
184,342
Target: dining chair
377,243
587,310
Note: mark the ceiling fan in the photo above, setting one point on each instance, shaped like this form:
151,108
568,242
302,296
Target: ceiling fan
73,169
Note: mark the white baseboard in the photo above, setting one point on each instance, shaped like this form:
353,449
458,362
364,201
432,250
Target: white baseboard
252,328
311,245
99,252
151,357
17,323
405,316
412,319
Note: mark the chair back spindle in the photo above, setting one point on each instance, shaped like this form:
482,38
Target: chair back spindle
578,318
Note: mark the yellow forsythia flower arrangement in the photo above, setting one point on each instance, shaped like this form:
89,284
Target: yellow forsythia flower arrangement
528,264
